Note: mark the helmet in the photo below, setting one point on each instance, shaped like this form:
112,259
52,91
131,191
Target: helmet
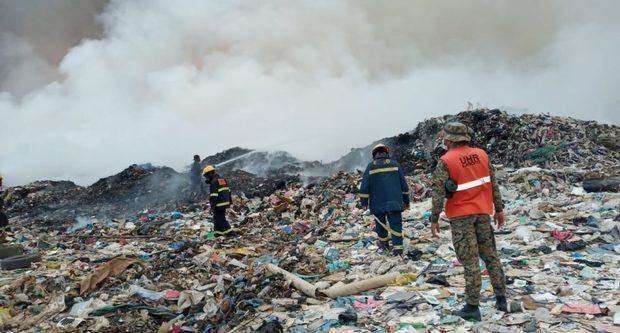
378,147
456,131
208,169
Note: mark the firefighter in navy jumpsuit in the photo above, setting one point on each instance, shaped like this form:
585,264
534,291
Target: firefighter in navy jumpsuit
220,199
386,192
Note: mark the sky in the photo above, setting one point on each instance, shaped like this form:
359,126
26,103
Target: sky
89,87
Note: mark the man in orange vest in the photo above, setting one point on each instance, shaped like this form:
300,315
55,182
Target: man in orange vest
464,175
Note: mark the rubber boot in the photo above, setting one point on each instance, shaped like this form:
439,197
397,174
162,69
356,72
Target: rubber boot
501,304
397,252
383,245
469,312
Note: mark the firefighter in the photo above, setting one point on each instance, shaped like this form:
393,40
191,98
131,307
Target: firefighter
465,176
194,176
385,191
220,199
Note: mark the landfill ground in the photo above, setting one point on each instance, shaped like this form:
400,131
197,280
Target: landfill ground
305,259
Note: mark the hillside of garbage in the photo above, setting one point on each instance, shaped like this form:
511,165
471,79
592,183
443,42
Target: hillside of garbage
135,189
513,141
136,252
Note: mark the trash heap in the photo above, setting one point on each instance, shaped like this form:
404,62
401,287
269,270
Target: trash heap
137,188
305,260
512,140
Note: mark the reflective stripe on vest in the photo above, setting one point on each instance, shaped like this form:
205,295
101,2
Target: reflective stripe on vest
223,189
392,169
222,204
474,183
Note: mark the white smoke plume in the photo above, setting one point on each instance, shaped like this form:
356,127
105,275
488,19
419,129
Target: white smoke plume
158,81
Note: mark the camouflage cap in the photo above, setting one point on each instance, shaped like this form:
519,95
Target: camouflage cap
455,131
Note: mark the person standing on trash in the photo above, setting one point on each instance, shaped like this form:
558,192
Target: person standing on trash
385,191
4,219
194,176
220,199
464,178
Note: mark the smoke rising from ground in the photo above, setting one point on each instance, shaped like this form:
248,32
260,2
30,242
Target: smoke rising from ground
158,81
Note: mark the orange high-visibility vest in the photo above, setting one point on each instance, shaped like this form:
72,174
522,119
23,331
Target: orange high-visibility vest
469,169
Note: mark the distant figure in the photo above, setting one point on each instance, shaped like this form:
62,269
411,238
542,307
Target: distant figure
4,220
464,176
384,188
220,199
194,174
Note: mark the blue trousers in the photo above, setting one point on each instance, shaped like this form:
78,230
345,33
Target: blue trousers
222,227
390,224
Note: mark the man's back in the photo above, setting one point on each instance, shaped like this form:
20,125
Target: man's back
385,185
196,170
469,169
220,195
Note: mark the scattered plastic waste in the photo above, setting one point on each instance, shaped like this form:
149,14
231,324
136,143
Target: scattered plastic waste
146,259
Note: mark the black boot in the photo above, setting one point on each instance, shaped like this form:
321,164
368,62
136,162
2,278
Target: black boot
383,245
470,312
397,252
501,304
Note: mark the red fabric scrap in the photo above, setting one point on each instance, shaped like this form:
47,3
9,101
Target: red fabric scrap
369,305
582,308
172,294
562,235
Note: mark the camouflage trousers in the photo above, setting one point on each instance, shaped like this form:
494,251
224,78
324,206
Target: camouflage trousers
473,238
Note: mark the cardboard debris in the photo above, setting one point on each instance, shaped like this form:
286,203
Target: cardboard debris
111,268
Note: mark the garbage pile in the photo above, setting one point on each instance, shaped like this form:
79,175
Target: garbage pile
513,141
135,189
305,260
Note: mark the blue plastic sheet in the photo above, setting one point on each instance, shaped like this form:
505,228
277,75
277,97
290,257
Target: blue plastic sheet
343,302
338,265
177,245
328,325
254,302
332,254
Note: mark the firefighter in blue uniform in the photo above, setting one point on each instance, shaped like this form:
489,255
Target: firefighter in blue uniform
220,199
385,191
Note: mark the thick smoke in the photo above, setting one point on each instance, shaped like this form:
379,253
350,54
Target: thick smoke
165,79
36,35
